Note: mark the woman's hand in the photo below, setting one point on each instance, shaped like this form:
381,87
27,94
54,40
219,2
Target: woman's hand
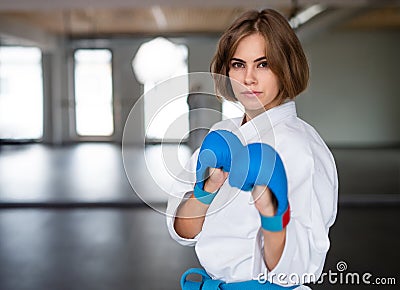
264,200
215,180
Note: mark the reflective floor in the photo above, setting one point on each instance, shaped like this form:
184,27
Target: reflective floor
69,219
89,249
89,172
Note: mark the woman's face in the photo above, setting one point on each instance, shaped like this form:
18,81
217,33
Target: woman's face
253,82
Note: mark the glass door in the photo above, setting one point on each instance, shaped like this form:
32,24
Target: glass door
93,92
21,93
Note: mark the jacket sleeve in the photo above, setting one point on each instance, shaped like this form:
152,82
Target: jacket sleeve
313,200
180,191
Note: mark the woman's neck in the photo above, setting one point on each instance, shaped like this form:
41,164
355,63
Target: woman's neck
251,114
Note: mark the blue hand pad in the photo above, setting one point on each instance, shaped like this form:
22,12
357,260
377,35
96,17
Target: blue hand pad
216,152
254,164
260,164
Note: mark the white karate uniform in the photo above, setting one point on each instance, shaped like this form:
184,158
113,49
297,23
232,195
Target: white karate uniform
230,245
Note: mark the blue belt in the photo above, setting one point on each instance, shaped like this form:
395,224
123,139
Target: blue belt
209,284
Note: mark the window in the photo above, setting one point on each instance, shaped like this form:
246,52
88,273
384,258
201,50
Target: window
21,93
166,115
93,92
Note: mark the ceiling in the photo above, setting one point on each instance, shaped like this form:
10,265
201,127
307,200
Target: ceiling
93,18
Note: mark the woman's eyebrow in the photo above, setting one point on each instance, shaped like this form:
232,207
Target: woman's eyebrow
256,60
237,59
260,58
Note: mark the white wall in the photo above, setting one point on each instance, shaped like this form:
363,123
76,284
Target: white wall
127,91
354,93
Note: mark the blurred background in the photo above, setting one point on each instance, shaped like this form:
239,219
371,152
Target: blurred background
70,74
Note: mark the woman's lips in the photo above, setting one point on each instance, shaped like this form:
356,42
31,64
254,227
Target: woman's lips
251,93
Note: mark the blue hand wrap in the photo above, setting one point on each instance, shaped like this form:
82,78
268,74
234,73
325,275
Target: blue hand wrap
260,164
202,195
216,152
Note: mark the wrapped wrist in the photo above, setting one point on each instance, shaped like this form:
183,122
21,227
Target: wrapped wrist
203,196
277,222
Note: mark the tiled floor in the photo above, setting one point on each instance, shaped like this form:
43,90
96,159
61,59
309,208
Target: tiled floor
69,219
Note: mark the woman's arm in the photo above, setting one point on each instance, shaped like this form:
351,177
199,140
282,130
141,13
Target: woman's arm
274,242
191,213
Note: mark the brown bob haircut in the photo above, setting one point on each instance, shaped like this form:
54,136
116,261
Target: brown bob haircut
285,56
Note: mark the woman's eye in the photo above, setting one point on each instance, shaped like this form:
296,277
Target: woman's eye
263,64
237,65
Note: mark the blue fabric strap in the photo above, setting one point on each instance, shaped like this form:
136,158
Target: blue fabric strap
202,195
191,285
209,284
275,223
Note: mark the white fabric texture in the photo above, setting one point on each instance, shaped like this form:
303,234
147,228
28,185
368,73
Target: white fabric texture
230,245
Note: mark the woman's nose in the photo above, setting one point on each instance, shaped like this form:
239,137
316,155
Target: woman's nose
250,77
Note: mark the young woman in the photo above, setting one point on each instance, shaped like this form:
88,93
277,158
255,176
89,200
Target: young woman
264,68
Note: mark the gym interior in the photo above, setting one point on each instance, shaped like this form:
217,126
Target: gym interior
87,155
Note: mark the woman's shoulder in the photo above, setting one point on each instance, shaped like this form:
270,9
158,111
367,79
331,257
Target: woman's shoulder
300,137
